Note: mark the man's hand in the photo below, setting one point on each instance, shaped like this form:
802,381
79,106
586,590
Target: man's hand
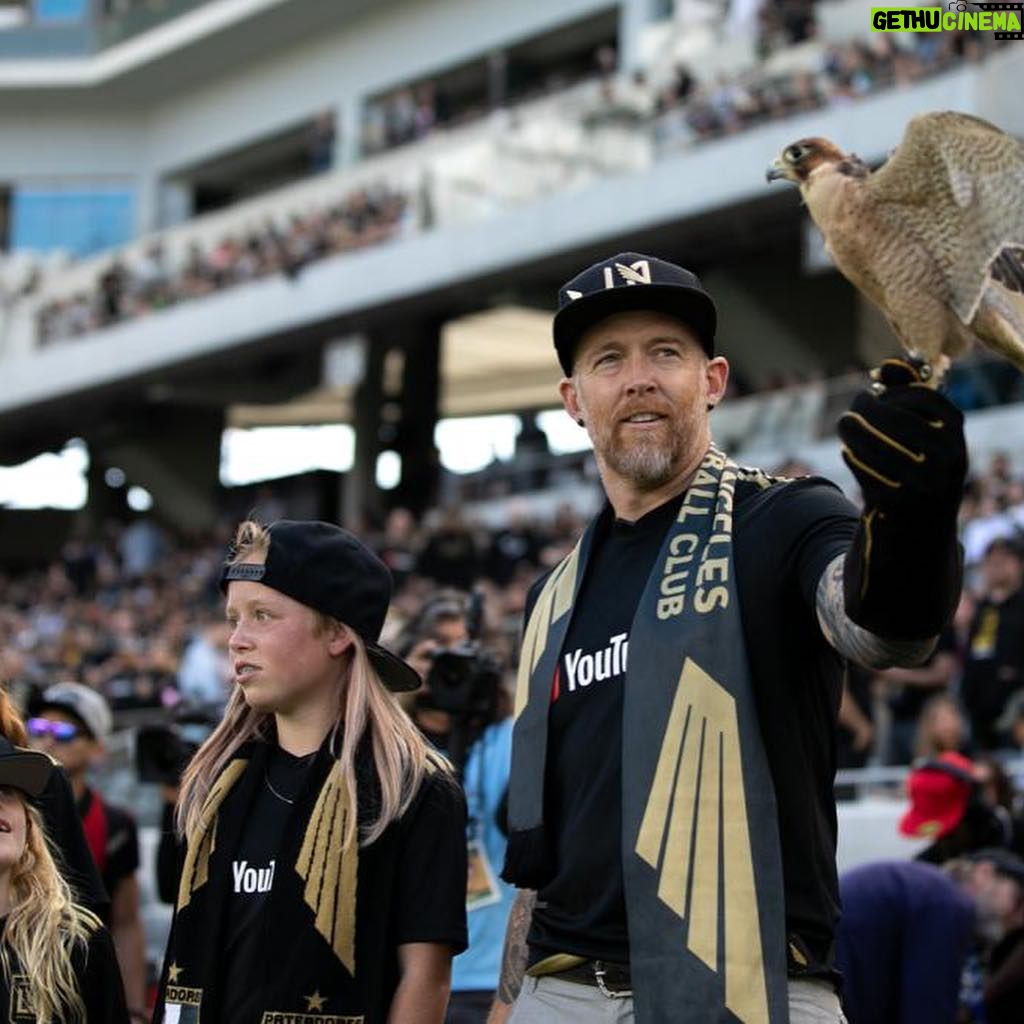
905,445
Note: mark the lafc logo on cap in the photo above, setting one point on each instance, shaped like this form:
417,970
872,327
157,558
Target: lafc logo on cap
633,273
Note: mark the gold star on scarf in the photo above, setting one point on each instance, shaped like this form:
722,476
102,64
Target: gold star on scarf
172,973
315,1001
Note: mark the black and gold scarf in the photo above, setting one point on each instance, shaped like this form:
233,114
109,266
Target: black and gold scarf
701,861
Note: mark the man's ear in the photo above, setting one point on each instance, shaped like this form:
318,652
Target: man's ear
718,378
570,399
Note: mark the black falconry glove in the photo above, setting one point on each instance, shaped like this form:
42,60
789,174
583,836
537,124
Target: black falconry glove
905,445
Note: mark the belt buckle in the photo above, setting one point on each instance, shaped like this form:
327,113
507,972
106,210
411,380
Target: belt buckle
599,975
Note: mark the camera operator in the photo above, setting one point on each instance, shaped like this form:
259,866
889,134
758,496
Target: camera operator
462,709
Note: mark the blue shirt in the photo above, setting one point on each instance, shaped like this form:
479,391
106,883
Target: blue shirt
903,938
485,781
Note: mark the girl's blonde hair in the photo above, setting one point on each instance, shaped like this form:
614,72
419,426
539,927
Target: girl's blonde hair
401,756
44,930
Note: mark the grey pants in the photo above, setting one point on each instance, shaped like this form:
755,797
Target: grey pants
550,1001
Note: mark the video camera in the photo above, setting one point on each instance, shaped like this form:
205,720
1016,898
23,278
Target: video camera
464,679
163,751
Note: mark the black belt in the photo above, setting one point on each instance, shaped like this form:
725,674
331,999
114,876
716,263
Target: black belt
608,977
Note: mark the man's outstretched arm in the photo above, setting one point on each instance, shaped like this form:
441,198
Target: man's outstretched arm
513,958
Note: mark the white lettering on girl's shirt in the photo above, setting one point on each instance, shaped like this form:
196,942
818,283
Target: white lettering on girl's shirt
250,880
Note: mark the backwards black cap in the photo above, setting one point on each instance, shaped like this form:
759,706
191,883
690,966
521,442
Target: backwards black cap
631,281
27,770
330,570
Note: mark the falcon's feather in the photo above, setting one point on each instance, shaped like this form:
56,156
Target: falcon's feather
935,237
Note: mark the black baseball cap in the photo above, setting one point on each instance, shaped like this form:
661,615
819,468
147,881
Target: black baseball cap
330,570
27,770
626,282
1005,862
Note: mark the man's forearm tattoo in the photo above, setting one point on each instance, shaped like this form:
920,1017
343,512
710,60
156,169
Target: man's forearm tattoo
855,642
513,958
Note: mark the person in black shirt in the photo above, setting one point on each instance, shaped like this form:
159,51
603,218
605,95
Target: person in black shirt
994,660
58,961
324,871
672,820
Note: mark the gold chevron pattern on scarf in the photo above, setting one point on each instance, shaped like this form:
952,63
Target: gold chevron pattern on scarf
197,860
696,809
330,870
554,601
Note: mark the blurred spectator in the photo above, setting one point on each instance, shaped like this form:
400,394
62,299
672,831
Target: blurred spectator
995,880
72,725
320,142
204,674
450,557
947,806
902,942
941,729
513,547
911,934
463,709
908,690
397,547
994,663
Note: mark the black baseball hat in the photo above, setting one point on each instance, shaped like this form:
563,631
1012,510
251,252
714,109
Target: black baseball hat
27,770
1005,862
330,570
631,281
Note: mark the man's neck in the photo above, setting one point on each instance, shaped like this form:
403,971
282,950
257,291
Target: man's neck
631,504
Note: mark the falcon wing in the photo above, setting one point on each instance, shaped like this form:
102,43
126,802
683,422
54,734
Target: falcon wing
957,183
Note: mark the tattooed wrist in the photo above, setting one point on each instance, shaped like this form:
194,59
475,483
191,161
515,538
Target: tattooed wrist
853,641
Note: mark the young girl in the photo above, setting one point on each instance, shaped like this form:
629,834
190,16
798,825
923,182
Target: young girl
58,963
62,823
324,875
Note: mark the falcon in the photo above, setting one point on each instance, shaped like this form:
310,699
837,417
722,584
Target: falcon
934,237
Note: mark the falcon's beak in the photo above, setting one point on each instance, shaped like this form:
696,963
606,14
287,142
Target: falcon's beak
775,171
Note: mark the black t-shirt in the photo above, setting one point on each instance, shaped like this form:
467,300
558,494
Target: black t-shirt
784,538
98,977
253,869
994,659
122,845
255,953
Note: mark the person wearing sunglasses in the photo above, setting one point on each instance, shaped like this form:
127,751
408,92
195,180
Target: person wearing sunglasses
72,723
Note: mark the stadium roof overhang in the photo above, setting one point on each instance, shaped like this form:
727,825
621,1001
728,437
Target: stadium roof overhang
498,361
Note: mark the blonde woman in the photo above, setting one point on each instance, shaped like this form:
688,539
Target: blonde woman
58,962
324,875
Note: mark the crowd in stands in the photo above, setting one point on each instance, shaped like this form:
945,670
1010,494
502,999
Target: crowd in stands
127,290
680,111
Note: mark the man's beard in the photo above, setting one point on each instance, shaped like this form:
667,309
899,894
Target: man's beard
648,463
